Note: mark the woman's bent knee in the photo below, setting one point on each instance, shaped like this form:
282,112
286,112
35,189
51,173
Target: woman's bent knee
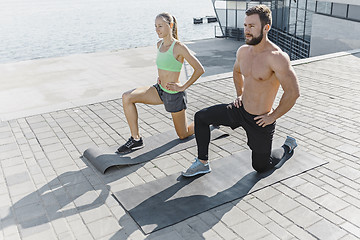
182,137
126,97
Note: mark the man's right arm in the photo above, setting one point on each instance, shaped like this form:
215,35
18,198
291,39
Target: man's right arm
237,76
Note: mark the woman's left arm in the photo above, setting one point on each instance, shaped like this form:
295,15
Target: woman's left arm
194,62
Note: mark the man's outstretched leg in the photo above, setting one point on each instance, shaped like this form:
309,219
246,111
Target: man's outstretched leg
214,115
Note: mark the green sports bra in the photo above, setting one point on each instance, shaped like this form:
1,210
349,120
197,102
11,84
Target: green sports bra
166,60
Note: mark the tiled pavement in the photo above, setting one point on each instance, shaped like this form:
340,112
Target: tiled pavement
47,191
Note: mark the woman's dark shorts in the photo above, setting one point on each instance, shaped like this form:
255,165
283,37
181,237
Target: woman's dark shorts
173,102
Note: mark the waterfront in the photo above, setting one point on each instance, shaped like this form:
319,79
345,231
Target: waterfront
42,28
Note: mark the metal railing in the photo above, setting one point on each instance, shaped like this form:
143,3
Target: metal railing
296,48
230,32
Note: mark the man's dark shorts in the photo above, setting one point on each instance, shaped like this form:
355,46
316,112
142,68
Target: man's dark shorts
173,102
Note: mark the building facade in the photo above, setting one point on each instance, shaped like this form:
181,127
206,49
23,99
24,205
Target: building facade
302,28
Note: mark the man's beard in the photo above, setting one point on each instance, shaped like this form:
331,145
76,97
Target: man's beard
255,40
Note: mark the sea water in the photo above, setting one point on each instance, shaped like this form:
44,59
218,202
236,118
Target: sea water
33,29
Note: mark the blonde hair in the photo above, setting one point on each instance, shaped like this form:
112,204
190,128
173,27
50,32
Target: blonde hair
168,18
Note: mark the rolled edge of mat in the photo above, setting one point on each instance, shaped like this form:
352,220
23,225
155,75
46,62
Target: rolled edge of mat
91,155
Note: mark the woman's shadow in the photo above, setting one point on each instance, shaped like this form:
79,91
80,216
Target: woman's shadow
68,194
61,197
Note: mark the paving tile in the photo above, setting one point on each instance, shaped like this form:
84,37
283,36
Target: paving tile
43,234
290,192
351,192
95,214
135,179
21,189
230,215
332,202
300,233
279,231
17,178
326,230
353,229
173,235
282,203
310,190
66,236
79,228
60,226
349,173
351,213
330,216
258,216
30,212
250,230
302,216
224,231
308,203
349,237
186,232
15,236
201,227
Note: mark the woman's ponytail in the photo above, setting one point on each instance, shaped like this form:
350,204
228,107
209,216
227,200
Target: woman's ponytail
174,29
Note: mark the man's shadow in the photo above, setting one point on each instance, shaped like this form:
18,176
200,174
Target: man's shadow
184,205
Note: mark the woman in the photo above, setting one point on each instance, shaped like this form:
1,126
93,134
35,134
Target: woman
168,91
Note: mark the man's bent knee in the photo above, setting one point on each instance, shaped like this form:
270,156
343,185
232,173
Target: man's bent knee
261,162
259,169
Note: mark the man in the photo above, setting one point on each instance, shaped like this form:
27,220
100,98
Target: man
260,68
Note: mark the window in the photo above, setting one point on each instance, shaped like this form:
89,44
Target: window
301,4
311,5
354,12
324,7
300,29
339,10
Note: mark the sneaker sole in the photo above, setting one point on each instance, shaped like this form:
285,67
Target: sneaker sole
133,149
136,148
194,174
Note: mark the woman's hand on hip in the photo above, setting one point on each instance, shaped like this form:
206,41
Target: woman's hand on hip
175,87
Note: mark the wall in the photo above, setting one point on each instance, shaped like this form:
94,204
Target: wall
330,34
354,2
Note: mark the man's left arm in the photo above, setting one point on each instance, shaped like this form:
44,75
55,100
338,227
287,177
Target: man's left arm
286,75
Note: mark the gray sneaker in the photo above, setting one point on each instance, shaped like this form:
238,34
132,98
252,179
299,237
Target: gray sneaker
291,143
197,168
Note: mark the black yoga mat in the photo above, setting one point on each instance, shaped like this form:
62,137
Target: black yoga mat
164,202
155,146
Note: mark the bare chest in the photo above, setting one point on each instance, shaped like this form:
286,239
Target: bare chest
257,68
